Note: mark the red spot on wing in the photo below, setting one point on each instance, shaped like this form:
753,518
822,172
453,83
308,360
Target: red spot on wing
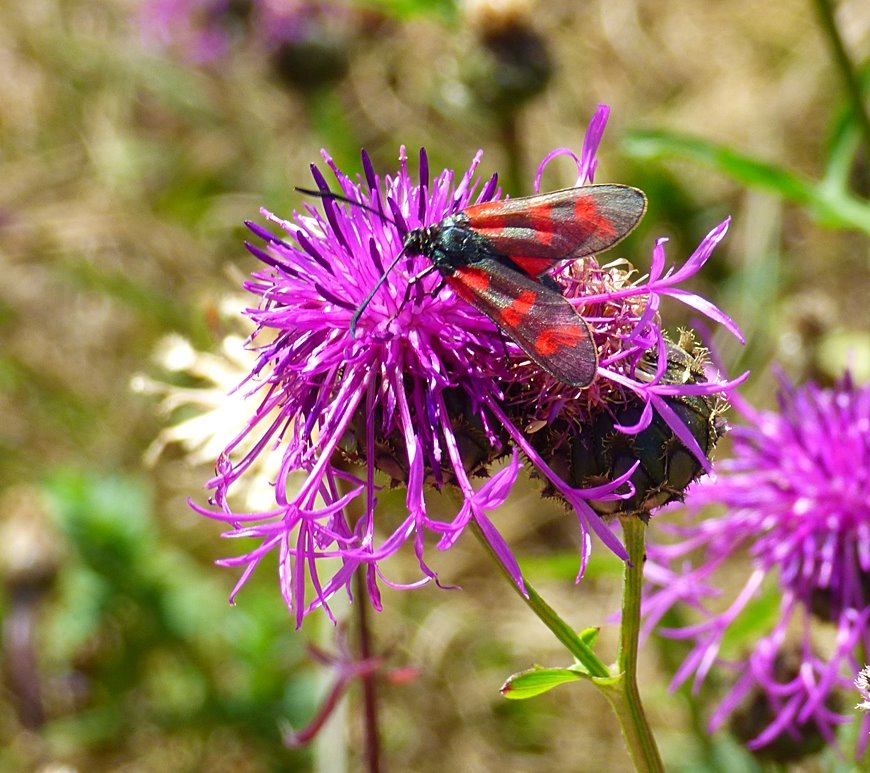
536,317
532,266
552,340
540,217
545,238
584,207
513,212
484,211
514,314
586,212
468,282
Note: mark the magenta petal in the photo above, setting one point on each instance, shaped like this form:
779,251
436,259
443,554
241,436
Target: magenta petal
501,549
594,135
780,502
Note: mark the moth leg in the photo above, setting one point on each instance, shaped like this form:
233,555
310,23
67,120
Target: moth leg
503,339
414,282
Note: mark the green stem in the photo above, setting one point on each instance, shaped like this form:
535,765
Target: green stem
547,615
623,694
619,684
844,64
510,141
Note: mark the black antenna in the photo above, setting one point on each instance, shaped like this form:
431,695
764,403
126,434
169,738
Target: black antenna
346,199
367,300
383,278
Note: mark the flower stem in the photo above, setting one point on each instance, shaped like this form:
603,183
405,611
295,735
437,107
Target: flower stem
845,66
622,693
619,683
370,703
547,615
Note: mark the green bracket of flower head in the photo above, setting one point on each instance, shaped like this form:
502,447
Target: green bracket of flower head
537,680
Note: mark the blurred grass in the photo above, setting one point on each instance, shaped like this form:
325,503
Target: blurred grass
127,174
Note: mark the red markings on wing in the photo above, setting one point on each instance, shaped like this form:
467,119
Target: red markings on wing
532,266
586,210
513,315
551,341
492,215
468,282
537,318
556,226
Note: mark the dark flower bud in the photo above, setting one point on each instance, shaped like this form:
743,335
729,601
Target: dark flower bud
511,62
594,452
756,713
312,60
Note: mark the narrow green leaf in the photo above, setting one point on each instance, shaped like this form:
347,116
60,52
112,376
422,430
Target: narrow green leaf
745,169
538,680
407,9
832,207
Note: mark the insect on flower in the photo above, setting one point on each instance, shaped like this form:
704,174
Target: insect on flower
497,256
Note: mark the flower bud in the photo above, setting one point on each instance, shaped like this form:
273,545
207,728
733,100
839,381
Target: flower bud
594,452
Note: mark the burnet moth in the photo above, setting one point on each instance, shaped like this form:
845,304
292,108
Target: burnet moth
497,256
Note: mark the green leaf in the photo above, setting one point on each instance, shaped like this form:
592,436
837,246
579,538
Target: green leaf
563,566
589,636
538,680
107,517
407,9
745,169
832,207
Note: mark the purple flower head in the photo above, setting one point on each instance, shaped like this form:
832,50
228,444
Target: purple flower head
307,41
797,500
199,31
280,21
420,390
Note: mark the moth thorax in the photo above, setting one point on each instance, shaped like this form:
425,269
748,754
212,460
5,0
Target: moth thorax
420,241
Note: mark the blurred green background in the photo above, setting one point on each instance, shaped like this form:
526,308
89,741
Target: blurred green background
127,170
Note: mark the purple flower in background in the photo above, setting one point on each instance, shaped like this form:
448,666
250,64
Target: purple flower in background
797,500
198,30
307,42
419,393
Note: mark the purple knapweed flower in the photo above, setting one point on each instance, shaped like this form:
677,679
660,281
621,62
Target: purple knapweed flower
198,31
796,495
306,40
418,391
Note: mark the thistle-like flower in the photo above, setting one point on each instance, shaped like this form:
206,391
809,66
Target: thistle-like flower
797,500
307,41
426,389
198,31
